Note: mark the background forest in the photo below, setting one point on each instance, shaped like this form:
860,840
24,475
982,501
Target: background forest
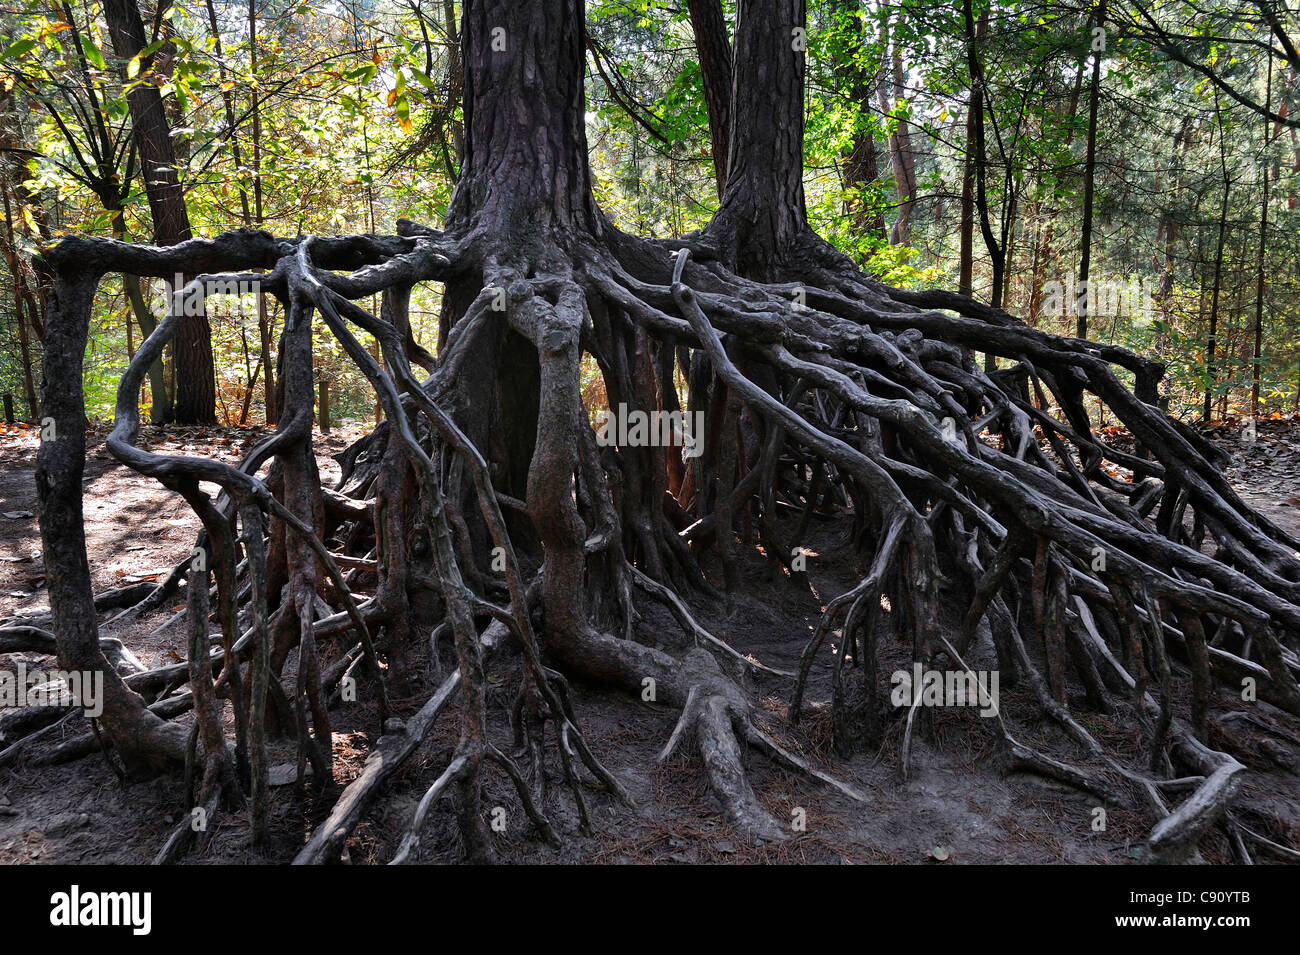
1177,207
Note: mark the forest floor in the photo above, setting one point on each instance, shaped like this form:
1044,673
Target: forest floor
956,805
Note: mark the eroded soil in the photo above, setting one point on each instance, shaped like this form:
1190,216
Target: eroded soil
956,800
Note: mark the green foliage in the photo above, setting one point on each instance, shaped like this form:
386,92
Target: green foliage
359,121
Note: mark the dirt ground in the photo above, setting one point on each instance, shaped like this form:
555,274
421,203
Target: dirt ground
955,807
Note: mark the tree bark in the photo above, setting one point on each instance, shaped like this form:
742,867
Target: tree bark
975,33
763,214
1212,335
714,48
890,93
1089,178
966,228
1260,282
511,174
861,166
195,399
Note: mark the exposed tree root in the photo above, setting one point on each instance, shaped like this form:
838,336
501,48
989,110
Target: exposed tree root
1083,567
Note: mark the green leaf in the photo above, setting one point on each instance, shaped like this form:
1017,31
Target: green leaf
18,48
403,107
92,53
420,77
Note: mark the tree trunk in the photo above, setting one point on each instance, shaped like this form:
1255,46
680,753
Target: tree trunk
14,261
1089,175
1256,366
966,228
1212,335
890,93
975,33
160,399
762,214
195,399
714,49
860,164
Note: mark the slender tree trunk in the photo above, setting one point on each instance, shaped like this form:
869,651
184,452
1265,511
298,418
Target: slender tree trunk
1256,367
1089,176
160,407
265,333
861,166
1211,338
890,93
195,400
709,25
14,261
1047,241
966,231
997,254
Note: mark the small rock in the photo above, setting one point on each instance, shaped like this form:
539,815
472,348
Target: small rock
394,725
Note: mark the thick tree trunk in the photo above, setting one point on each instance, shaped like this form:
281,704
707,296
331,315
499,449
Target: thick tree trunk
527,193
763,213
525,133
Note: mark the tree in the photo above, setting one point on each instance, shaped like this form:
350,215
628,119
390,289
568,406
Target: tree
486,494
1090,168
709,27
195,399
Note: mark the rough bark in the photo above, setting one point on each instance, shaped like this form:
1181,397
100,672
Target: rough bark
194,401
713,45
